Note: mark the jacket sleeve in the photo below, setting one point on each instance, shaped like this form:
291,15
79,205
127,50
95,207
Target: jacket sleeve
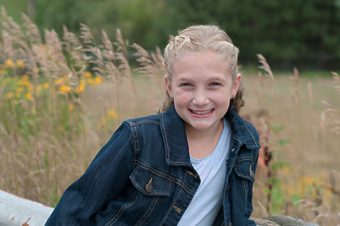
249,205
104,179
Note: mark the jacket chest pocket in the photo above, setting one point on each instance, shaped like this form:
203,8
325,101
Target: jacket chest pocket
150,182
153,195
245,168
244,175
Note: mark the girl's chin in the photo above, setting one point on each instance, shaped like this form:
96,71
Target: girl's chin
200,126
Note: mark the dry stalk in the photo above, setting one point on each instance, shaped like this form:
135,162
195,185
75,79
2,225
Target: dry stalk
336,81
267,157
123,65
7,50
330,116
310,92
86,35
109,57
150,64
73,47
14,30
265,66
31,31
296,86
122,54
57,62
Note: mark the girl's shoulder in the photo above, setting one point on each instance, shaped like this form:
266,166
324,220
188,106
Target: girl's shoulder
245,131
144,120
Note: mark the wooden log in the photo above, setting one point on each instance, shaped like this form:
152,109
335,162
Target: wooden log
16,211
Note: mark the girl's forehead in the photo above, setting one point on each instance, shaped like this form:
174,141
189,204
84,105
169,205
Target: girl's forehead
188,55
201,62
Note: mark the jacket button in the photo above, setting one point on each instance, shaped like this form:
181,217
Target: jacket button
178,210
148,186
191,173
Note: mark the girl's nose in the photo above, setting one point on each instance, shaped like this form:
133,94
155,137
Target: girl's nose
200,99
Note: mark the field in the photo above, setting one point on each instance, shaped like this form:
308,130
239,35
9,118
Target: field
61,98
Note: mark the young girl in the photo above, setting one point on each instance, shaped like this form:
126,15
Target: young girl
192,164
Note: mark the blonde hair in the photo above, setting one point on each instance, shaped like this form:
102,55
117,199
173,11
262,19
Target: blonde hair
200,38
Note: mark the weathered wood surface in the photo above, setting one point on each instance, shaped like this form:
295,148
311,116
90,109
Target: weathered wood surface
16,211
282,221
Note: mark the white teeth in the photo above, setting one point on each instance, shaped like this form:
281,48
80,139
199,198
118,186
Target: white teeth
201,112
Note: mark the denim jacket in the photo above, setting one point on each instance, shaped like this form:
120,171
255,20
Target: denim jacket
143,176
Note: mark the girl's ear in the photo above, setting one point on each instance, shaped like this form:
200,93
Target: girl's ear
236,84
167,85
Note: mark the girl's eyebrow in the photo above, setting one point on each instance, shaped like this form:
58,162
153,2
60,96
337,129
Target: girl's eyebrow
216,79
184,80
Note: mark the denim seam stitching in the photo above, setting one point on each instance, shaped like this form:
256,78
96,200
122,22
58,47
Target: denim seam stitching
135,139
166,146
245,193
133,123
173,179
120,212
250,132
148,211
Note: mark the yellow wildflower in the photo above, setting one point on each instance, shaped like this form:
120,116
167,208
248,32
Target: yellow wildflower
20,64
25,77
9,95
112,114
65,89
90,81
308,180
98,80
59,81
28,96
9,63
45,85
19,90
81,87
24,81
87,74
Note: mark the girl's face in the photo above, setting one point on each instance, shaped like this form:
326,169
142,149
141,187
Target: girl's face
202,87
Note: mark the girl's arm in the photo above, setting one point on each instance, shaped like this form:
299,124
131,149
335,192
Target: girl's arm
104,180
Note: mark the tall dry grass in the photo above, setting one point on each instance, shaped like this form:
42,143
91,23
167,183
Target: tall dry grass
299,172
62,97
48,134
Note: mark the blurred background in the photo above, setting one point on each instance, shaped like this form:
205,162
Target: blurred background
304,34
70,73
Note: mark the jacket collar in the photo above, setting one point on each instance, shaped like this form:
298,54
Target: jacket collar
175,140
242,131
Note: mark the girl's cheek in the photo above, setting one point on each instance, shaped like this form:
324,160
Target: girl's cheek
182,97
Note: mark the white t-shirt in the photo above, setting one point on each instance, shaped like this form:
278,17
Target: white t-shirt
207,201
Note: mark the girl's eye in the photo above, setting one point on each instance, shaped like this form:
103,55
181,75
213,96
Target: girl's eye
185,84
215,84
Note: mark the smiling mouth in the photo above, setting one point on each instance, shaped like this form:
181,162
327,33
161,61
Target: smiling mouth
201,113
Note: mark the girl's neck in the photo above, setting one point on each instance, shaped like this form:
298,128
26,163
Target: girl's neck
202,143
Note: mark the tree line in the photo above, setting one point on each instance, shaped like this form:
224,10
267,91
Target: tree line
289,33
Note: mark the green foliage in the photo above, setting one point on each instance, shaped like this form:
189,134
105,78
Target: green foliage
278,199
290,33
14,7
139,19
